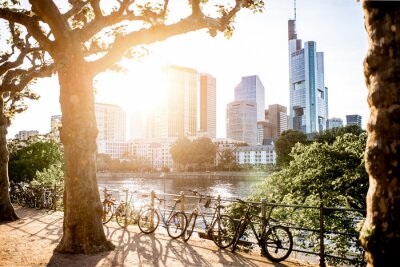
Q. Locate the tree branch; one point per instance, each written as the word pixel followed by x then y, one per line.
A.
pixel 50 14
pixel 77 6
pixel 102 22
pixel 31 23
pixel 154 34
pixel 95 4
pixel 24 76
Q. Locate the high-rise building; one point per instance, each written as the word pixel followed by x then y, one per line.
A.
pixel 354 120
pixel 251 89
pixel 139 122
pixel 334 123
pixel 277 117
pixel 308 94
pixel 111 122
pixel 177 115
pixel 241 121
pixel 208 105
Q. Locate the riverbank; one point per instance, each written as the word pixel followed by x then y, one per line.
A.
pixel 31 241
pixel 233 176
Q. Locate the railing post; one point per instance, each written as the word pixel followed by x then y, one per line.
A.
pixel 182 197
pixel 152 198
pixel 55 197
pixel 182 208
pixel 218 204
pixel 126 208
pixel 263 208
pixel 321 237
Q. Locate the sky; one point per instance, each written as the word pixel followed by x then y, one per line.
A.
pixel 258 47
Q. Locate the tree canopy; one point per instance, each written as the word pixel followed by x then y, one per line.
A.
pixel 200 152
pixel 334 172
pixel 32 156
pixel 330 135
pixel 284 144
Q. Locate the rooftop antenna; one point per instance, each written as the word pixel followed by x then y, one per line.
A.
pixel 294 9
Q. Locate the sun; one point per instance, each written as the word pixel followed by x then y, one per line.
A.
pixel 140 88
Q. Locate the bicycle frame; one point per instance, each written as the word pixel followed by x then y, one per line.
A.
pixel 246 220
pixel 198 211
pixel 165 219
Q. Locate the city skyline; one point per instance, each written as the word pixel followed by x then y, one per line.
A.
pixel 258 47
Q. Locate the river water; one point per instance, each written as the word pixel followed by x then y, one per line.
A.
pixel 228 189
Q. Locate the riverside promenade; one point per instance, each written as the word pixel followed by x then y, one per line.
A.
pixel 31 241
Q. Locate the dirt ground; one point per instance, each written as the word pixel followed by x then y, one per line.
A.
pixel 31 241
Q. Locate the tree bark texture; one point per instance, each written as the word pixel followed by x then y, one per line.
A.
pixel 7 212
pixel 82 229
pixel 380 235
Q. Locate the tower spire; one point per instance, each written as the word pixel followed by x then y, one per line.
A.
pixel 294 9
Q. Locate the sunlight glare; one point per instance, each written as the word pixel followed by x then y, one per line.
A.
pixel 139 89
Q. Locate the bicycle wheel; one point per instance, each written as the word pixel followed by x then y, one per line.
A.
pixel 108 212
pixel 48 202
pixel 39 202
pixel 22 201
pixel 120 215
pixel 177 224
pixel 223 231
pixel 148 220
pixel 278 243
pixel 190 227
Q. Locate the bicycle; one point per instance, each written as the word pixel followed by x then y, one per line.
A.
pixel 109 206
pixel 275 241
pixel 149 219
pixel 221 227
pixel 44 198
pixel 126 213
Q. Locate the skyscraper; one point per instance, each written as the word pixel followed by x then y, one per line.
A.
pixel 276 115
pixel 251 89
pixel 353 120
pixel 111 122
pixel 308 94
pixel 208 105
pixel 177 115
pixel 241 121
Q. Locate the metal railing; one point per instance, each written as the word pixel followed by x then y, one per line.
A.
pixel 322 232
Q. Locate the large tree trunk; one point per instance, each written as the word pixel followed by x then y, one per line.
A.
pixel 380 235
pixel 82 229
pixel 7 212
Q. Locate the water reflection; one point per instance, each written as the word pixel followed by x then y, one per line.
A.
pixel 224 188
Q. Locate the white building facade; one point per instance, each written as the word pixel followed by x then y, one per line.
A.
pixel 24 135
pixel 156 152
pixel 256 155
pixel 111 124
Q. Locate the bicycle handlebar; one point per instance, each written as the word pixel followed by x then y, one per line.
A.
pixel 194 192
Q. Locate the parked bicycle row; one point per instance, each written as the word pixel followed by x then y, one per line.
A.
pixel 275 241
pixel 40 197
